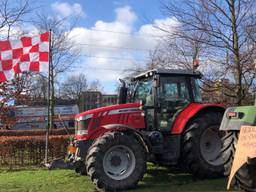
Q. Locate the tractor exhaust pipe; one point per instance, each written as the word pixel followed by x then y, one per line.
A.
pixel 123 92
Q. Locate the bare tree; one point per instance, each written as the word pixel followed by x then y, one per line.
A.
pixel 74 86
pixel 177 53
pixel 38 89
pixel 15 89
pixel 12 14
pixel 96 86
pixel 63 50
pixel 227 27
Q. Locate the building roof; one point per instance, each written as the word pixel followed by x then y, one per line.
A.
pixel 91 92
pixel 109 95
pixel 171 72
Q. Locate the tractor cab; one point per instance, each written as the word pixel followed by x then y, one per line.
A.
pixel 163 93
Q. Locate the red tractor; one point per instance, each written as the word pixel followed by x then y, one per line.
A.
pixel 164 121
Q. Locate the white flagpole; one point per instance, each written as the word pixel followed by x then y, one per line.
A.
pixel 48 99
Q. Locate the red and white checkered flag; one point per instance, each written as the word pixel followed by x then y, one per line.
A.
pixel 24 54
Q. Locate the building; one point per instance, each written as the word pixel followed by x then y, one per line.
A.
pixel 90 100
pixel 94 99
pixel 109 100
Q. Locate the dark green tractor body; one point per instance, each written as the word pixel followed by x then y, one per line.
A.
pixel 245 115
pixel 233 119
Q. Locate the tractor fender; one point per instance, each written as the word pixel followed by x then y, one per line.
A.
pixel 131 131
pixel 192 111
pixel 246 116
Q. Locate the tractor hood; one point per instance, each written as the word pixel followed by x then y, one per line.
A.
pixel 235 117
pixel 92 123
pixel 120 108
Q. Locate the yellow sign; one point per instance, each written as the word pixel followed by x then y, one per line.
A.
pixel 245 148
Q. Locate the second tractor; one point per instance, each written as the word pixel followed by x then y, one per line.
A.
pixel 234 118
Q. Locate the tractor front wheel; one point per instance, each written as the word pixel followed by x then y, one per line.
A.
pixel 116 161
pixel 245 177
pixel 201 146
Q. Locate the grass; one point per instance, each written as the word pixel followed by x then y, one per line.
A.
pixel 157 179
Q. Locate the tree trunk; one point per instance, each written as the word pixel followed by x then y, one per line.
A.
pixel 238 70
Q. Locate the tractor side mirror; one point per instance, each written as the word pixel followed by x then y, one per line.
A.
pixel 123 92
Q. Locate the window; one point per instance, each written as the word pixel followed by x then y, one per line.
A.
pixel 143 89
pixel 196 90
pixel 173 96
pixel 173 89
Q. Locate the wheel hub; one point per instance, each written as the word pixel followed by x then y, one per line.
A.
pixel 210 146
pixel 115 161
pixel 119 162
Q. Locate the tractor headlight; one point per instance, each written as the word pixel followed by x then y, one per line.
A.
pixel 235 115
pixel 232 114
pixel 82 124
pixel 85 117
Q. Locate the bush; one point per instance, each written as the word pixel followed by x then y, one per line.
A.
pixel 24 148
pixel 36 132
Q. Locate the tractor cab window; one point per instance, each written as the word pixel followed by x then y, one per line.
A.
pixel 173 89
pixel 173 96
pixel 143 91
pixel 196 90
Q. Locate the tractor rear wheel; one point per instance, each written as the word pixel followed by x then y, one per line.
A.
pixel 245 177
pixel 201 146
pixel 116 161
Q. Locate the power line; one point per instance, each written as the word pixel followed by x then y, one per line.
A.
pixel 115 58
pixel 110 69
pixel 114 47
pixel 129 34
pixel 105 69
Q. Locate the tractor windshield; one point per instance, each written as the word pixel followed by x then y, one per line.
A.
pixel 143 90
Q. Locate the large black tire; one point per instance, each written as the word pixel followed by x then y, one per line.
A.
pixel 97 167
pixel 81 170
pixel 197 143
pixel 245 177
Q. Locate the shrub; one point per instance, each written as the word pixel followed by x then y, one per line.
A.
pixel 36 132
pixel 30 150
